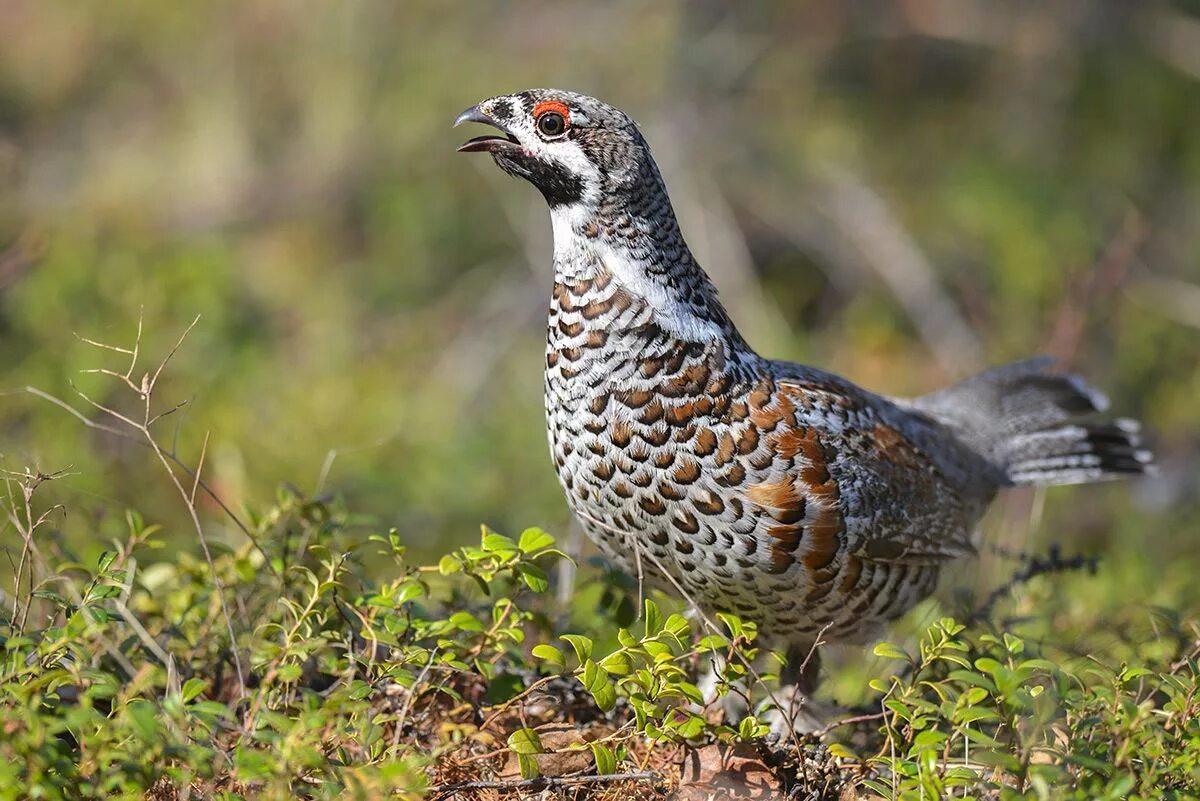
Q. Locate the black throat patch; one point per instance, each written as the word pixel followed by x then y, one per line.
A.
pixel 557 185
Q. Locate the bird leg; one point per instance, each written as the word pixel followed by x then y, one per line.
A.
pixel 795 709
pixel 791 707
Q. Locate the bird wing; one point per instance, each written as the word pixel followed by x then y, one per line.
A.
pixel 849 479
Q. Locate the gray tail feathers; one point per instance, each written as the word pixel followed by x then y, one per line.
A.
pixel 1039 426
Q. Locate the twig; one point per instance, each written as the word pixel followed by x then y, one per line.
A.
pixel 145 391
pixel 131 619
pixel 641 577
pixel 817 643
pixel 847 721
pixel 402 715
pixel 545 782
pixel 125 435
pixel 537 685
pixel 29 482
pixel 326 467
pixel 199 469
pixel 73 593
pixel 1053 563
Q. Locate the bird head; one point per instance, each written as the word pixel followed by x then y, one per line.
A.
pixel 608 205
pixel 572 147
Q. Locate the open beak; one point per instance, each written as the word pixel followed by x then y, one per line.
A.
pixel 484 144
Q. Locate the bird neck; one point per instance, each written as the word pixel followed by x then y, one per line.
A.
pixel 631 236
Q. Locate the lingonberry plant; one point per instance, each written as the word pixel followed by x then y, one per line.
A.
pixel 316 658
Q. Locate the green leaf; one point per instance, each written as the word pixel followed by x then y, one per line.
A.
pixel 973 696
pixel 978 737
pixel 252 764
pixel 76 625
pixel 899 708
pixel 595 680
pixel 192 688
pixel 988 665
pixel 733 624
pixel 1129 674
pixel 690 692
pixel 882 789
pixel 550 655
pixel 931 738
pixel 581 644
pixel 212 708
pixel 144 717
pixel 1033 665
pixel 52 596
pixel 106 559
pixel 606 761
pixel 465 621
pixel 498 543
pixel 408 591
pixel 534 539
pixel 842 752
pixel 748 728
pixel 525 741
pixel 653 618
pixel 972 678
pixel 989 756
pixel 678 625
pixel 659 651
pixel 889 651
pixel 971 714
pixel 1120 786
pixel 689 727
pixel 617 663
pixel 534 577
pixel 961 661
pixel 449 564
pixel 289 673
pixel 528 766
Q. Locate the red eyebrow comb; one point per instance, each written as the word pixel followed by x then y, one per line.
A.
pixel 552 105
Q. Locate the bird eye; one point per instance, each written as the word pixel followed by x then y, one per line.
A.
pixel 551 124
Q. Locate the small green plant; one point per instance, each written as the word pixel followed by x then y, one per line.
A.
pixel 977 712
pixel 352 683
pixel 307 655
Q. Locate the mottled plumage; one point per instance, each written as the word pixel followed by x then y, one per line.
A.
pixel 776 491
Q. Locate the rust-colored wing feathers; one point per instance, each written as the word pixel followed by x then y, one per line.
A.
pixel 827 498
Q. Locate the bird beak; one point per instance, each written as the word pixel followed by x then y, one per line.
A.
pixel 485 144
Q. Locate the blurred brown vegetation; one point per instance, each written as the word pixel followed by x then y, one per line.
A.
pixel 900 192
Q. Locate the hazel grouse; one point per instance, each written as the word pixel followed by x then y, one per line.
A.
pixel 773 490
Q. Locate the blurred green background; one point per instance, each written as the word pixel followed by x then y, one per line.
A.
pixel 902 192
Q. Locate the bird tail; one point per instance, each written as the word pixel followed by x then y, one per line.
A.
pixel 1039 426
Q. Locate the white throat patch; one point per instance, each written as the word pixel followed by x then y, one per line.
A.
pixel 574 252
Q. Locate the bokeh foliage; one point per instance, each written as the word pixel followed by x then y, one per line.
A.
pixel 286 171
